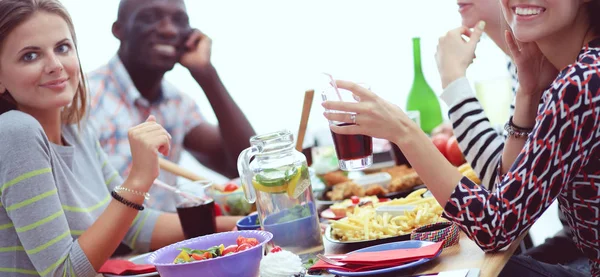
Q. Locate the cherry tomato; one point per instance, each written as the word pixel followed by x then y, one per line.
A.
pixel 230 187
pixel 218 210
pixel 197 257
pixel 355 199
pixel 230 249
pixel 252 241
pixel 243 247
pixel 276 249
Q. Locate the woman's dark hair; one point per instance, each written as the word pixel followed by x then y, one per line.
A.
pixel 12 14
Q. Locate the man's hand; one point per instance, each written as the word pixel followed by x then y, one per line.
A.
pixel 199 48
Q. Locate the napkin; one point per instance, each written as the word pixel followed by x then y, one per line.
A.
pixel 123 267
pixel 321 265
pixel 363 261
pixel 393 256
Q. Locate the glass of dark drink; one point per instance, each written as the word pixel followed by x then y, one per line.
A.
pixel 196 212
pixel 198 219
pixel 354 152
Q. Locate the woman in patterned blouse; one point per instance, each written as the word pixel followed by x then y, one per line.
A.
pixel 550 154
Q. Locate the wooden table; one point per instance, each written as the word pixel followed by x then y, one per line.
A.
pixel 466 254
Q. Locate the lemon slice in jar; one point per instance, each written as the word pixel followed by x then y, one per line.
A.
pixel 297 185
pixel 270 181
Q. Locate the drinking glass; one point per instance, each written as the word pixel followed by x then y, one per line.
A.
pixel 197 218
pixel 495 96
pixel 354 152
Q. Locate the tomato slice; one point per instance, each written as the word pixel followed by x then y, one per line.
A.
pixel 230 249
pixel 243 247
pixel 240 240
pixel 230 187
pixel 252 241
pixel 198 257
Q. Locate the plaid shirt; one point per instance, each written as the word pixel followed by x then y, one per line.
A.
pixel 117 105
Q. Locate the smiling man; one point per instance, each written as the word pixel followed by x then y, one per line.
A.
pixel 155 35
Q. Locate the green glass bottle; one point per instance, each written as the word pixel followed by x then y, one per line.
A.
pixel 421 97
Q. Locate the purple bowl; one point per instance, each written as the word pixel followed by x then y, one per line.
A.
pixel 244 263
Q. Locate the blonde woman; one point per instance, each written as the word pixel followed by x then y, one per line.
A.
pixel 64 209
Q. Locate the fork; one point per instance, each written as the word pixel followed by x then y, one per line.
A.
pixel 330 261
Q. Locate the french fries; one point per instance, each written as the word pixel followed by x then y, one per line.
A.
pixel 365 224
pixel 467 171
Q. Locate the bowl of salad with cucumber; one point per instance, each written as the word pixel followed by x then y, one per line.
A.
pixel 230 197
pixel 236 253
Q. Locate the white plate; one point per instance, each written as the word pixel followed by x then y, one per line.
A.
pixel 329 237
pixel 140 259
pixel 382 178
pixel 394 210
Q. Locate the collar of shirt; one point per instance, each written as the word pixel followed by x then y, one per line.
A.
pixel 132 94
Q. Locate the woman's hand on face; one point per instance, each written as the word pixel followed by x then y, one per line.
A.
pixel 374 116
pixel 146 141
pixel 535 72
pixel 455 54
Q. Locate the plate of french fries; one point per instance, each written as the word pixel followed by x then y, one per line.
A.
pixel 371 224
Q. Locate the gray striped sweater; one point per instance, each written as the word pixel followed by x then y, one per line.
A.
pixel 50 194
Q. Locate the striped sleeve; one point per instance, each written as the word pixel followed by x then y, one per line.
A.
pixel 34 217
pixel 140 234
pixel 479 141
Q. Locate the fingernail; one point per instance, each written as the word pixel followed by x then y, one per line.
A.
pixel 170 137
pixel 481 25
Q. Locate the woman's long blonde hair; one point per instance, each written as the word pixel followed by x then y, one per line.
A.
pixel 15 12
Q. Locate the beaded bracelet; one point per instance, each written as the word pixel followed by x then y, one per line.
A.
pixel 516 131
pixel 134 192
pixel 126 202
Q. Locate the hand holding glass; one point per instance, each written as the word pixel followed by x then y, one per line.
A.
pixel 354 152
